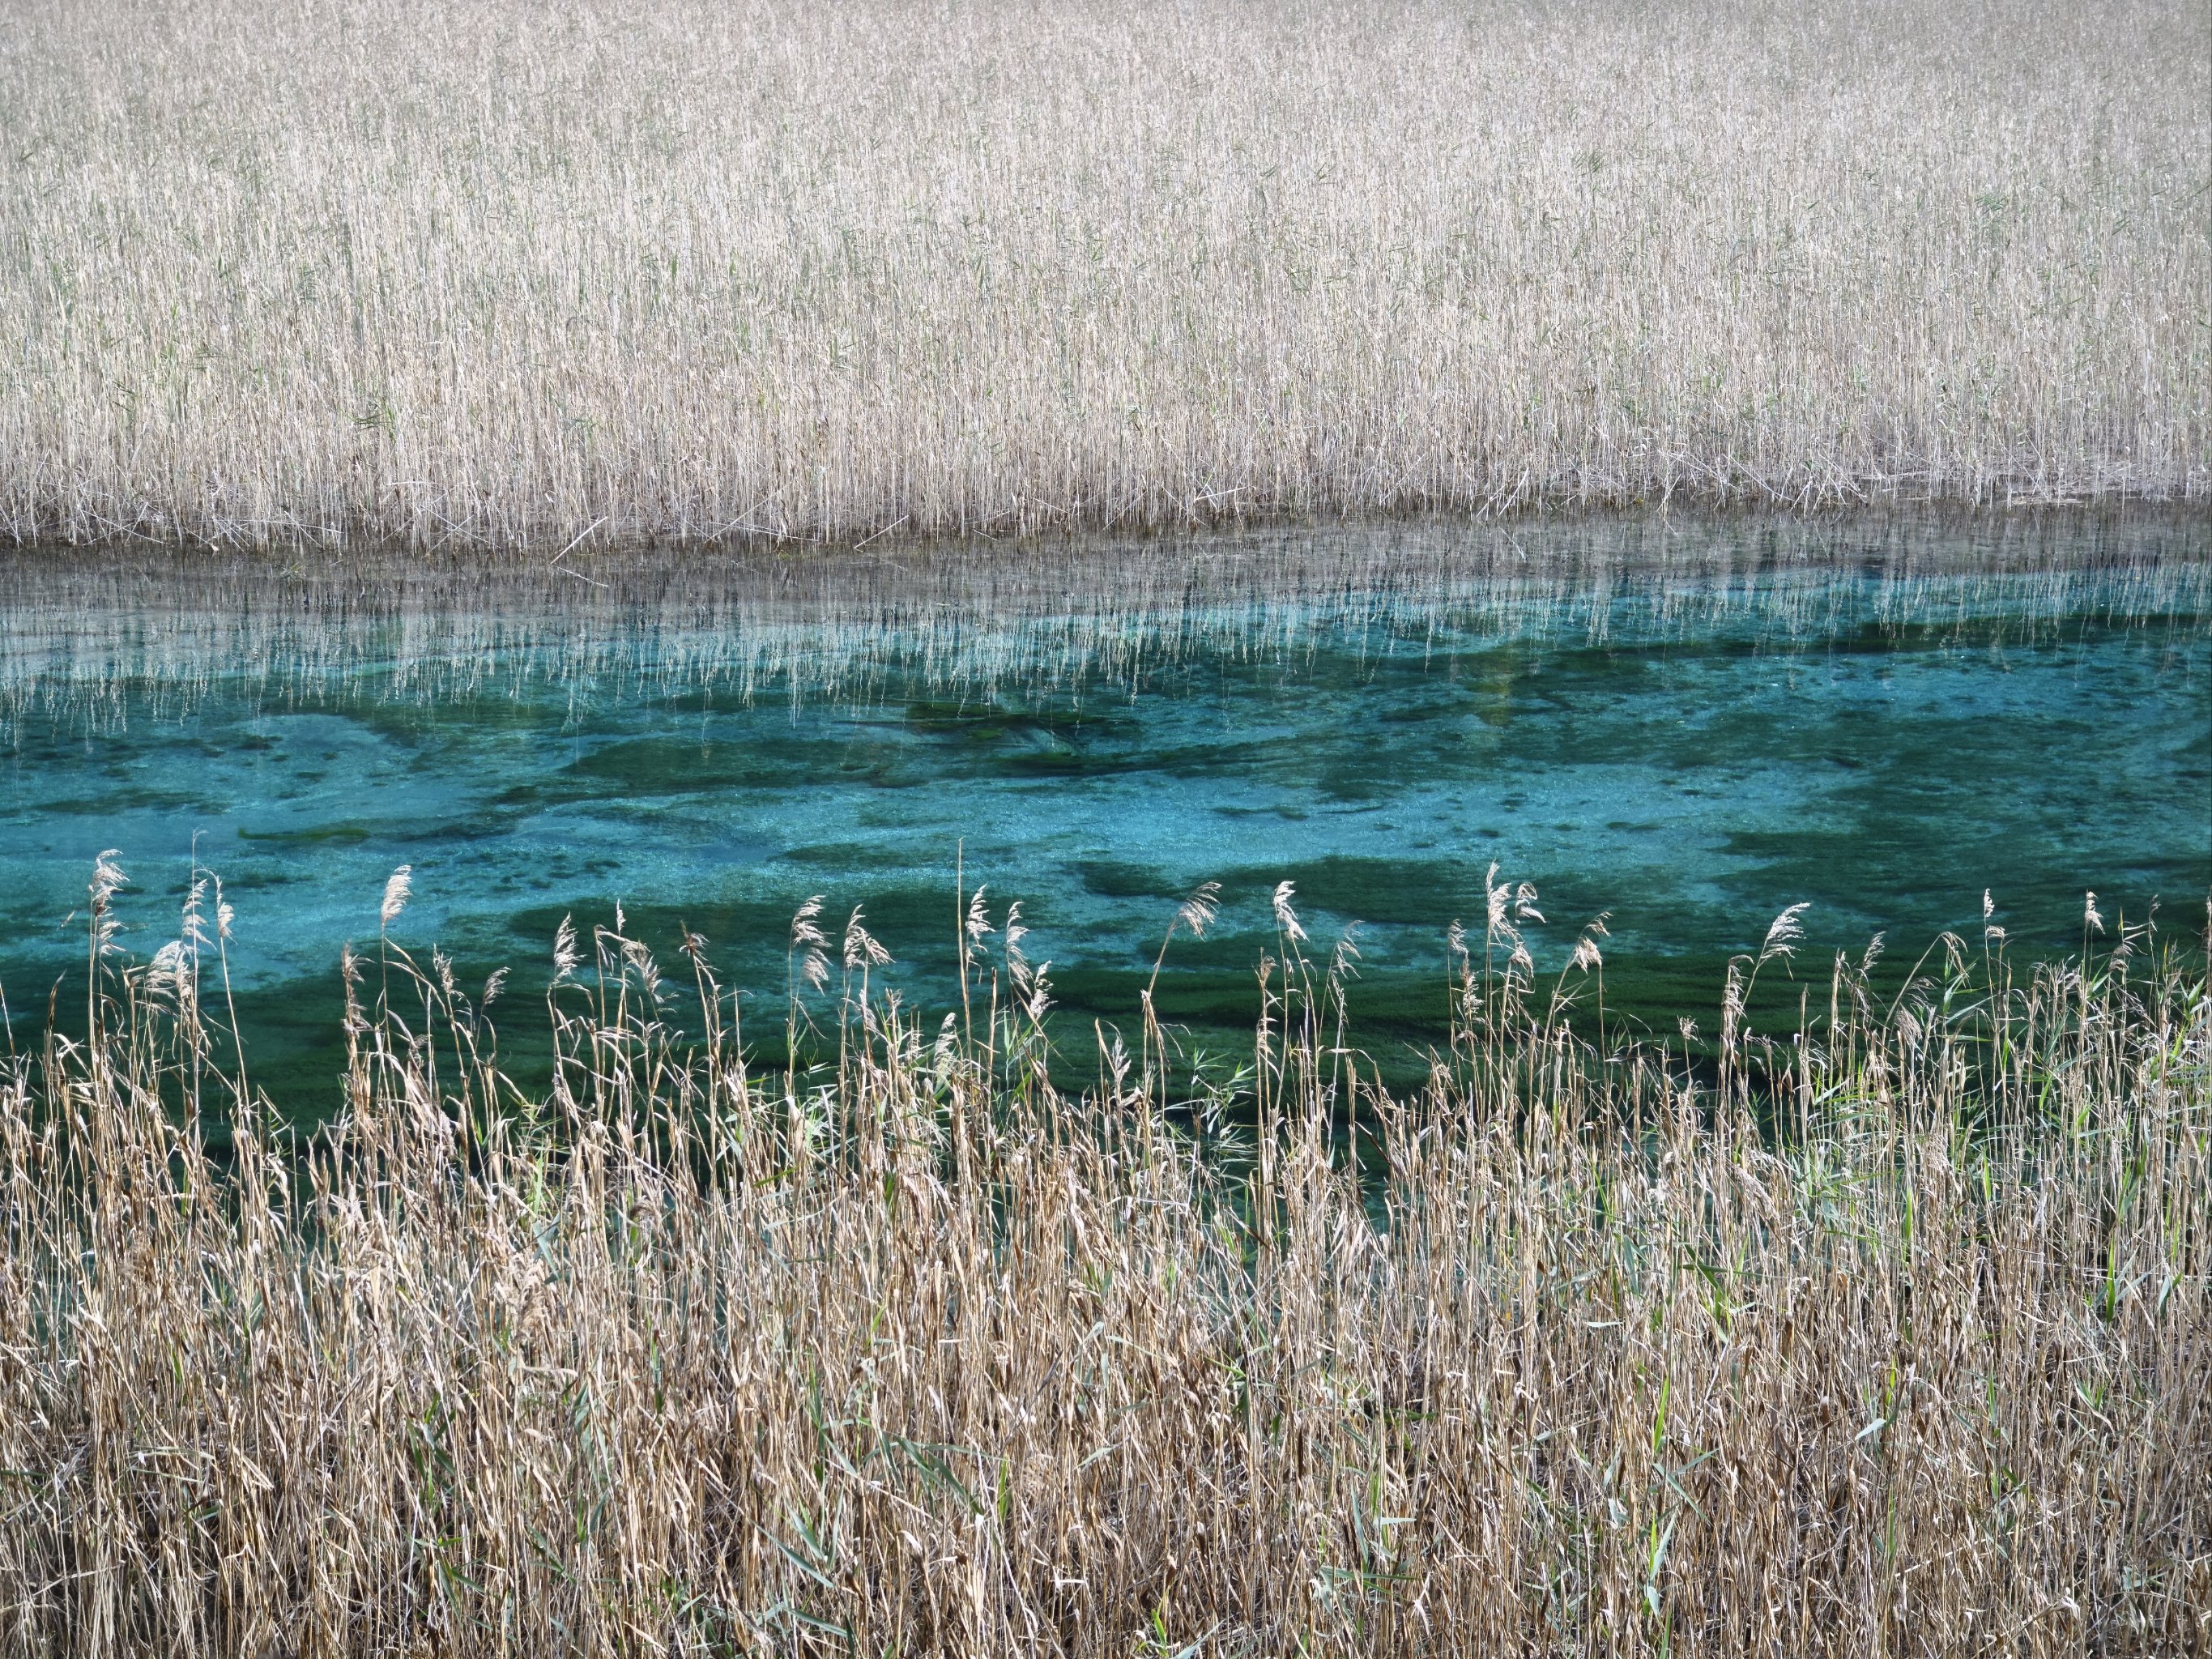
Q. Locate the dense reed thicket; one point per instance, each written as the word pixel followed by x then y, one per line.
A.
pixel 1894 1337
pixel 486 276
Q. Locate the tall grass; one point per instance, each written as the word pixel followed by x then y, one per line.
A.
pixel 1893 1337
pixel 492 275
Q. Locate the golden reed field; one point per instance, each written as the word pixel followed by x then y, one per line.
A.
pixel 1868 1311
pixel 1886 1336
pixel 488 275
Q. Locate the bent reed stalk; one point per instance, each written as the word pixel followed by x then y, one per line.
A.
pixel 1891 1337
pixel 494 276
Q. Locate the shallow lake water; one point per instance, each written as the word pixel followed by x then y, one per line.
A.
pixel 1686 728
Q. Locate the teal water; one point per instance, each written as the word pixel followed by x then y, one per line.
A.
pixel 1686 731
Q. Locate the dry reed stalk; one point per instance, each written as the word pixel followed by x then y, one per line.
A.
pixel 1895 1338
pixel 489 276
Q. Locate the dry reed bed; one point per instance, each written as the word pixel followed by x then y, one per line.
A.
pixel 904 1353
pixel 491 276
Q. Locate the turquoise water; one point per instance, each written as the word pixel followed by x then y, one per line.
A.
pixel 1688 735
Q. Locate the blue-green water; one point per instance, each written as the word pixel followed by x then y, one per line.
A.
pixel 1688 736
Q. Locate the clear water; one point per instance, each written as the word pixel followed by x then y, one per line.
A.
pixel 1689 741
